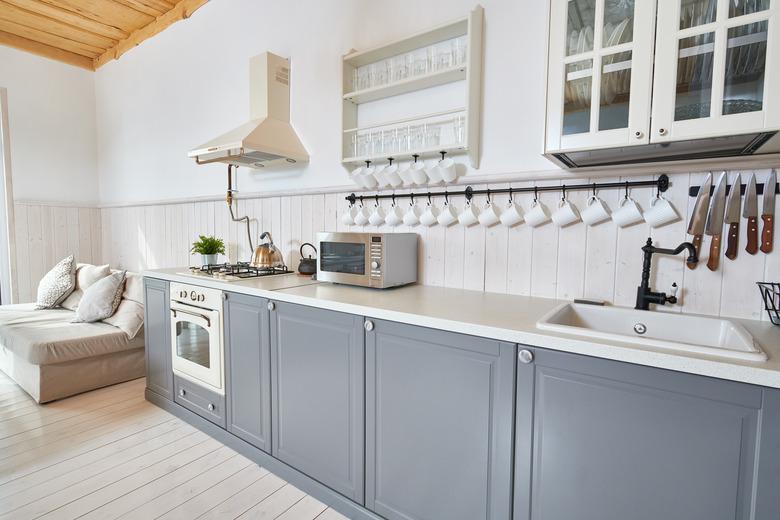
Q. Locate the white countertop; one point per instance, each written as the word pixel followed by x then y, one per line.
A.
pixel 497 316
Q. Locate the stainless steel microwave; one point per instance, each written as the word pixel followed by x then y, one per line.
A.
pixel 367 259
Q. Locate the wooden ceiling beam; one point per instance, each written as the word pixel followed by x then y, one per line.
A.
pixel 181 11
pixel 106 12
pixel 47 51
pixel 44 24
pixel 71 18
pixel 150 7
pixel 49 39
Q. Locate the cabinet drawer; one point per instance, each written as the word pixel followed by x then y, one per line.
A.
pixel 209 405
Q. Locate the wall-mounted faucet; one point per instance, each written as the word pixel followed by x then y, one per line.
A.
pixel 644 295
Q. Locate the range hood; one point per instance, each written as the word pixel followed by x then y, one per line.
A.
pixel 733 146
pixel 268 139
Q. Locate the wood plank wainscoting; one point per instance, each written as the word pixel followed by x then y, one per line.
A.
pixel 601 262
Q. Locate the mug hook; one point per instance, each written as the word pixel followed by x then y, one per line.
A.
pixel 376 200
pixel 536 194
pixel 488 195
pixel 563 192
pixel 442 155
pixel 626 190
pixel 594 189
pixel 393 198
pixel 446 197
pixel 510 195
pixel 368 164
pixel 429 199
pixel 416 156
pixel 411 199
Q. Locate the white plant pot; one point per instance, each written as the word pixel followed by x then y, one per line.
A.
pixel 208 259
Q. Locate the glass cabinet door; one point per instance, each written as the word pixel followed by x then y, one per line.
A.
pixel 715 63
pixel 599 73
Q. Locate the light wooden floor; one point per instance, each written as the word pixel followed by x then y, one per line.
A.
pixel 111 454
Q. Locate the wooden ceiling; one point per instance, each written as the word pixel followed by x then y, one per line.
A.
pixel 87 33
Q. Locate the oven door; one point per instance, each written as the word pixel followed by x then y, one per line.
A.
pixel 196 343
pixel 344 258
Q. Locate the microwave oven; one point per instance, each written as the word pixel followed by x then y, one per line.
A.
pixel 377 260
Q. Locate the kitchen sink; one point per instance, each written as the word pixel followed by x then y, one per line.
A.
pixel 678 332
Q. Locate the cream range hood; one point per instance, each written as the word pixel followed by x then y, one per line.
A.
pixel 268 139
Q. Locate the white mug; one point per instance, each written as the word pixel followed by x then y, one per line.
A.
pixel 433 173
pixel 379 175
pixel 447 170
pixel 628 213
pixel 469 216
pixel 538 214
pixel 367 177
pixel 405 172
pixel 595 212
pixel 357 176
pixel 489 216
pixel 430 215
pixel 512 214
pixel 394 216
pixel 362 216
pixel 660 212
pixel 391 176
pixel 418 174
pixel 412 215
pixel 348 217
pixel 566 214
pixel 377 217
pixel 448 215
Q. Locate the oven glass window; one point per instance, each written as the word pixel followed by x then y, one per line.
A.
pixel 192 343
pixel 341 257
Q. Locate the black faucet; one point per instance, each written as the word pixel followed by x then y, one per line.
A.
pixel 644 295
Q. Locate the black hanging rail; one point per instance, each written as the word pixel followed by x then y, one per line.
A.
pixel 662 184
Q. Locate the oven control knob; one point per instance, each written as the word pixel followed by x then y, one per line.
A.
pixel 374 265
pixel 271 306
pixel 182 392
pixel 193 296
pixel 210 407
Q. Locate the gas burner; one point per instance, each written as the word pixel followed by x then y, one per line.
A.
pixel 241 270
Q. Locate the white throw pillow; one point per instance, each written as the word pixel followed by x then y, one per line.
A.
pixel 86 275
pixel 129 317
pixel 101 299
pixel 57 284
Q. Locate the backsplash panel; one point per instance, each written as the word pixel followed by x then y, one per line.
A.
pixel 600 262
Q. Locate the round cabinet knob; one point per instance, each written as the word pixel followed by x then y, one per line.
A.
pixel 374 265
pixel 662 131
pixel 639 134
pixel 210 407
pixel 368 325
pixel 271 306
pixel 182 392
pixel 526 356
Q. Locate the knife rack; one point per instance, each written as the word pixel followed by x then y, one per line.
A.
pixel 662 184
pixel 693 191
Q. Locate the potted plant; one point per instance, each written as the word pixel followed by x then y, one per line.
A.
pixel 208 248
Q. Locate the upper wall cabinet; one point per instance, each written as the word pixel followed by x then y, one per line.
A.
pixel 599 73
pixel 623 73
pixel 717 61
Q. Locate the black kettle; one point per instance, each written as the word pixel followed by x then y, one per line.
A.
pixel 308 265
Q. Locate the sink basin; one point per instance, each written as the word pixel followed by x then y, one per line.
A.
pixel 679 332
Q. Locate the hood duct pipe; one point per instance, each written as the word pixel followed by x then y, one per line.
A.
pixel 229 201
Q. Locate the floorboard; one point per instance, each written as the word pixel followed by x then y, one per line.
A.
pixel 109 454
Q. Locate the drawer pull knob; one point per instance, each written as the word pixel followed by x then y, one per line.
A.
pixel 526 356
pixel 368 325
pixel 211 407
pixel 182 392
pixel 271 306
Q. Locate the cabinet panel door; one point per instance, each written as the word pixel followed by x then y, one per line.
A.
pixel 716 67
pixel 157 336
pixel 438 424
pixel 613 441
pixel 317 360
pixel 600 65
pixel 248 364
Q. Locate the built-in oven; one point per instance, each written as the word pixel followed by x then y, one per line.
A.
pixel 196 335
pixel 367 259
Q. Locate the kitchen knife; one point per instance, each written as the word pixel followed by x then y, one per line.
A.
pixel 732 218
pixel 750 212
pixel 714 226
pixel 698 216
pixel 768 213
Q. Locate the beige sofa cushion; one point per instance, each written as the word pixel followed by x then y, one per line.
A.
pixel 44 337
pixel 101 300
pixel 129 317
pixel 86 275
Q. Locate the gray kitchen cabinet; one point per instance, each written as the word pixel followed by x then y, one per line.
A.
pixel 604 440
pixel 157 336
pixel 439 410
pixel 248 369
pixel 317 368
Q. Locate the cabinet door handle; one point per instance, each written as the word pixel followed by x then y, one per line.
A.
pixel 182 392
pixel 210 407
pixel 368 325
pixel 271 306
pixel 526 356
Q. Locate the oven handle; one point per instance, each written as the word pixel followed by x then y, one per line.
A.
pixel 197 315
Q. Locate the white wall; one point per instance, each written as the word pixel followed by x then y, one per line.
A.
pixel 190 83
pixel 52 128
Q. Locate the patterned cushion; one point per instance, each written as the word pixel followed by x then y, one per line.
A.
pixel 57 284
pixel 101 299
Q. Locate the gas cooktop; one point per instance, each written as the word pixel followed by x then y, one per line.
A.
pixel 234 272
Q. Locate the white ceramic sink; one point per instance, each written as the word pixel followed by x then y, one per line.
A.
pixel 680 332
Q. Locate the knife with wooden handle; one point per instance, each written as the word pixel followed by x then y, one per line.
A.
pixel 714 226
pixel 768 213
pixel 750 212
pixel 698 216
pixel 732 218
